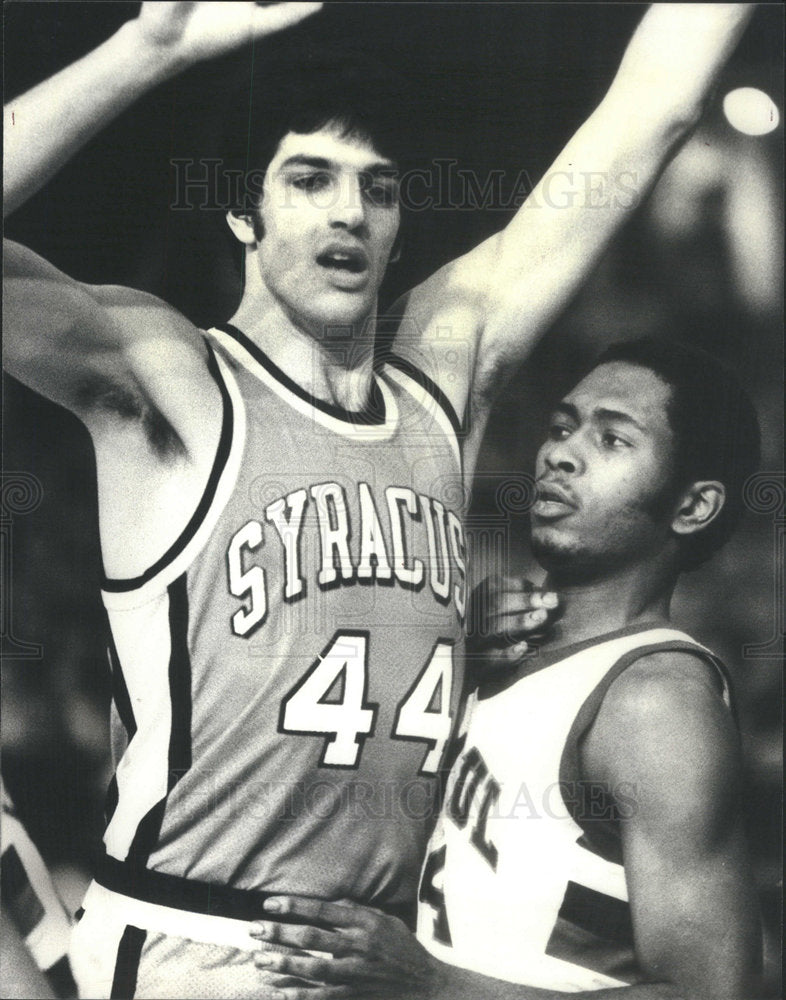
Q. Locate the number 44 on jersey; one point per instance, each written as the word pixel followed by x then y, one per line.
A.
pixel 331 700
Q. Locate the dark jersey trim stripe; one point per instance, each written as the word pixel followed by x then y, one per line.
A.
pixel 61 979
pixel 20 899
pixel 546 657
pixel 129 952
pixel 598 913
pixel 429 385
pixel 111 799
pixel 372 413
pixel 179 753
pixel 595 931
pixel 208 898
pixel 600 827
pixel 222 454
pixel 179 682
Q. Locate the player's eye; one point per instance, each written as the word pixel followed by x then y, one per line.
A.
pixel 558 432
pixel 381 191
pixel 612 440
pixel 311 182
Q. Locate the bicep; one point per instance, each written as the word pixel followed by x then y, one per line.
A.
pixel 98 349
pixel 57 335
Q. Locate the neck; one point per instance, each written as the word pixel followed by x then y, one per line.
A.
pixel 336 369
pixel 593 607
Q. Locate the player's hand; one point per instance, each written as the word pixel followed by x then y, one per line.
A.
pixel 189 32
pixel 509 617
pixel 369 954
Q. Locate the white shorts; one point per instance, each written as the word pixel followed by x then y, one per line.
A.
pixel 125 947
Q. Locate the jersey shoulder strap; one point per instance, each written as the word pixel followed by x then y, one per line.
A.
pixel 599 821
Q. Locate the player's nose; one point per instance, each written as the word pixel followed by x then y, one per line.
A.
pixel 347 208
pixel 564 455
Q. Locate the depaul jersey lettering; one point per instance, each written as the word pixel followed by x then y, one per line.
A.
pixel 524 877
pixel 286 678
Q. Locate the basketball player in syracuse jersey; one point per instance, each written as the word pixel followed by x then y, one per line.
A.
pixel 590 841
pixel 261 471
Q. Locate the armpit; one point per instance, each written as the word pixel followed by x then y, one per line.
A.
pixel 102 394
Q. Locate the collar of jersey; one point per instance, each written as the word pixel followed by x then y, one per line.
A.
pixel 373 413
pixel 533 663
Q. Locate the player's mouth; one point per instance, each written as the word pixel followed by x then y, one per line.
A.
pixel 347 266
pixel 553 501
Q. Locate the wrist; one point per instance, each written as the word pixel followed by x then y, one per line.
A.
pixel 151 62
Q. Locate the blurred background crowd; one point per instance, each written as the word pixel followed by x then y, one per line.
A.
pixel 503 87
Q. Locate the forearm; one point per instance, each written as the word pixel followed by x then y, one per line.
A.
pixel 460 984
pixel 46 126
pixel 673 61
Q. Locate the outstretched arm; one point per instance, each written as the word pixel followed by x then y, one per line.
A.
pixel 77 343
pixel 513 286
pixel 47 125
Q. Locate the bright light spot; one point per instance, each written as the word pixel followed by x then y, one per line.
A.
pixel 750 111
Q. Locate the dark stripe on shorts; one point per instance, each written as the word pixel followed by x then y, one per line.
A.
pixel 129 952
pixel 208 495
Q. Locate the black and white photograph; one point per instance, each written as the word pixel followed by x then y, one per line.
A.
pixel 393 500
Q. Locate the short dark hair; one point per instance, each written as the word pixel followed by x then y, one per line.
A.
pixel 715 427
pixel 303 89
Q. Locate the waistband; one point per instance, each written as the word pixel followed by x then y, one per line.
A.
pixel 116 910
pixel 205 898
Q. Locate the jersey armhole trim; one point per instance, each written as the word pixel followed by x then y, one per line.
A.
pixel 601 836
pixel 430 386
pixel 123 585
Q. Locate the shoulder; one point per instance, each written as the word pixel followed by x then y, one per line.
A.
pixel 665 726
pixel 146 315
pixel 664 682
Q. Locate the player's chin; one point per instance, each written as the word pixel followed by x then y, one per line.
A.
pixel 340 307
pixel 554 546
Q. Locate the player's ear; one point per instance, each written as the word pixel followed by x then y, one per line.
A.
pixel 246 226
pixel 698 506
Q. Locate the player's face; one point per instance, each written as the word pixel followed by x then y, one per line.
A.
pixel 330 215
pixel 604 473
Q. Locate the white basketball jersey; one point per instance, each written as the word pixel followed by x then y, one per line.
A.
pixel 524 877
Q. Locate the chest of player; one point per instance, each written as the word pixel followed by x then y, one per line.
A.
pixel 348 520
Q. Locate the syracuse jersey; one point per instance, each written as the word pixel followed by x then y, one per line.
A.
pixel 286 677
pixel 524 878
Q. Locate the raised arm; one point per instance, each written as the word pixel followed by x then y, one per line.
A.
pixel 47 125
pixel 510 288
pixel 94 349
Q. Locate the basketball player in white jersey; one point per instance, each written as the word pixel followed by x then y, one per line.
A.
pixel 284 563
pixel 591 840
